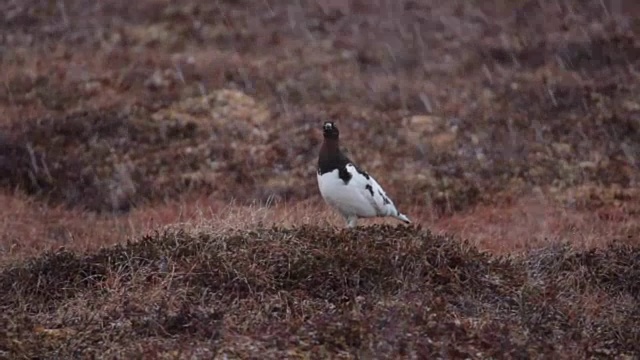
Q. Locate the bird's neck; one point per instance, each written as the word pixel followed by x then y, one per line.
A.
pixel 330 149
pixel 330 155
pixel 331 145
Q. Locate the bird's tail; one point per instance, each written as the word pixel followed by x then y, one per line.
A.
pixel 402 217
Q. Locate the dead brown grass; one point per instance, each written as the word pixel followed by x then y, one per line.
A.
pixel 527 223
pixel 28 228
pixel 219 281
pixel 381 290
pixel 537 221
pixel 477 101
pixel 148 147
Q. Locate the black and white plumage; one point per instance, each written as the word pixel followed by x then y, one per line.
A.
pixel 347 188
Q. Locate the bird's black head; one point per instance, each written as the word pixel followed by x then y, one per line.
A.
pixel 330 131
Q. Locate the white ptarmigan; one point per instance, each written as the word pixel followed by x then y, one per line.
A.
pixel 347 188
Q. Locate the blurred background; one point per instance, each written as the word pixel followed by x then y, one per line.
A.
pixel 118 105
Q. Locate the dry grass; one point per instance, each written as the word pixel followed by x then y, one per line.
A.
pixel 218 281
pixel 381 290
pixel 532 222
pixel 148 148
pixel 28 228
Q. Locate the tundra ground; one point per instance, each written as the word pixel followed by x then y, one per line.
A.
pixel 158 194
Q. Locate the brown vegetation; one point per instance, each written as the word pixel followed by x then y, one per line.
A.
pixel 148 147
pixel 378 291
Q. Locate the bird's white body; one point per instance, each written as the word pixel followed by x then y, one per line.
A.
pixel 360 197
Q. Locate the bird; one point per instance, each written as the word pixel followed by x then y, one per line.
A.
pixel 346 187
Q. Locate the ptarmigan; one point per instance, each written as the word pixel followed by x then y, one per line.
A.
pixel 347 188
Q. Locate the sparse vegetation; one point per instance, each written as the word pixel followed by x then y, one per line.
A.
pixel 158 195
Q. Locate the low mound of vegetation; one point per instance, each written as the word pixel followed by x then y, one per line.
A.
pixel 377 291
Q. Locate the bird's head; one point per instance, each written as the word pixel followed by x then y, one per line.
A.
pixel 330 131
